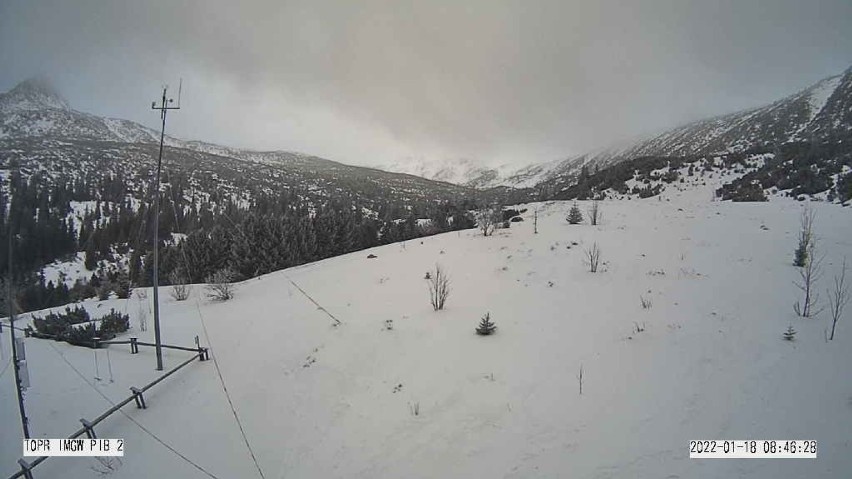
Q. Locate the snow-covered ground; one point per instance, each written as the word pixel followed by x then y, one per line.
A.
pixel 319 400
pixel 67 271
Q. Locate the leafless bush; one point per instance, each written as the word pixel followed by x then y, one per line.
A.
pixel 593 257
pixel 180 290
pixel 806 237
pixel 595 213
pixel 646 302
pixel 487 219
pixel 838 298
pixel 580 379
pixel 809 274
pixel 439 288
pixel 220 285
pixel 144 309
pixel 414 408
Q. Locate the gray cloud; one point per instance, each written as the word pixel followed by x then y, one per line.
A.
pixel 370 81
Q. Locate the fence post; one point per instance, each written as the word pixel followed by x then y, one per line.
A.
pixel 134 348
pixel 26 468
pixel 90 431
pixel 139 398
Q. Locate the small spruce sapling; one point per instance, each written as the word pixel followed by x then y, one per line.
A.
pixel 486 326
pixel 535 221
pixel 790 334
pixel 575 216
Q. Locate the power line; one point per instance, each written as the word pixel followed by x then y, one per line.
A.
pixel 225 388
pixel 6 368
pixel 134 421
pixel 207 335
pixel 321 308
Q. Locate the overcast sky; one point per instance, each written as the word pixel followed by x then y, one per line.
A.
pixel 367 82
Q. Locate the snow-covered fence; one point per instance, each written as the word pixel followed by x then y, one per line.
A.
pixel 135 343
pixel 89 426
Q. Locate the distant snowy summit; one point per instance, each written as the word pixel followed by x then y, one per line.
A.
pixel 467 172
pixel 33 94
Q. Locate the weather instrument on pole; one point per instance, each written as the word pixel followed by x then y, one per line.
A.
pixel 164 107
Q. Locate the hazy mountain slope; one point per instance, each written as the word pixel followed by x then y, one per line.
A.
pixel 33 110
pixel 819 112
pixel 470 173
pixel 38 126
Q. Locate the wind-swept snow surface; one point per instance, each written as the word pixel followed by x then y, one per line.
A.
pixel 430 398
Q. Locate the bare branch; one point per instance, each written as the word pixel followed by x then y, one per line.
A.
pixel 838 299
pixel 593 257
pixel 810 274
pixel 439 288
pixel 595 213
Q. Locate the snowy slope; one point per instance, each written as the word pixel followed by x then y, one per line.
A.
pixel 819 111
pixel 319 400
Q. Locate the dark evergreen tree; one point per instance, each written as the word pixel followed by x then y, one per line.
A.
pixel 486 326
pixel 575 216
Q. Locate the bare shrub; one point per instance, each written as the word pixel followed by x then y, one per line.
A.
pixel 809 275
pixel 180 290
pixel 800 257
pixel 838 299
pixel 144 309
pixel 646 302
pixel 580 379
pixel 593 258
pixel 595 213
pixel 487 219
pixel 220 285
pixel 439 288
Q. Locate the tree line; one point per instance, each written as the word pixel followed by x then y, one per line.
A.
pixel 198 233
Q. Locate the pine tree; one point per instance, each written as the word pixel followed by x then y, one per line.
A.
pixel 486 326
pixel 790 334
pixel 574 215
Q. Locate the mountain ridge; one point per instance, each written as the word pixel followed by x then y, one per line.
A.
pixel 819 111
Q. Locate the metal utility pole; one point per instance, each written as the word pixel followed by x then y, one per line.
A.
pixel 163 107
pixel 17 367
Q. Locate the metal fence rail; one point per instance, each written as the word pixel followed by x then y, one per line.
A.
pixel 88 428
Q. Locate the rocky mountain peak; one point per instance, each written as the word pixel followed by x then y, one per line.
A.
pixel 33 94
